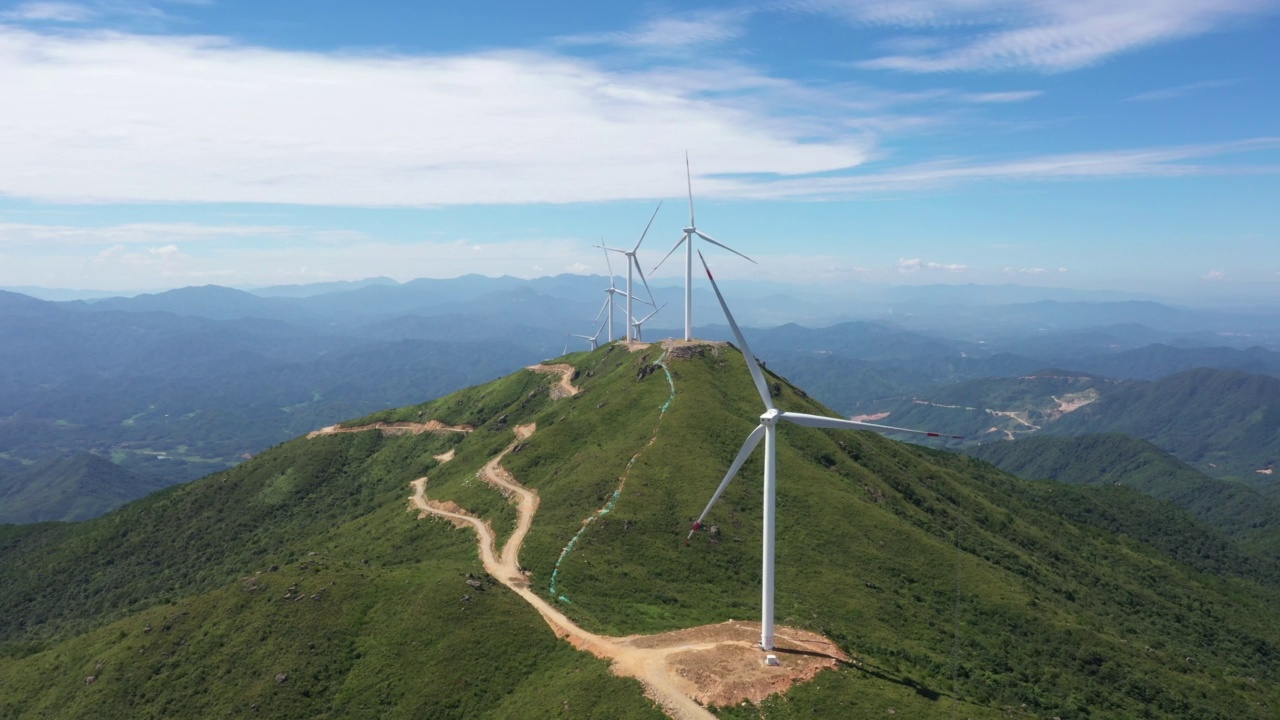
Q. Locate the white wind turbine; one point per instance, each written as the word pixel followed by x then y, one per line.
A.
pixel 687 239
pixel 593 339
pixel 767 430
pixel 638 323
pixel 610 293
pixel 634 264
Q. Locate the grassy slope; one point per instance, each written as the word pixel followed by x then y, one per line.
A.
pixel 959 593
pixel 388 634
pixel 1236 509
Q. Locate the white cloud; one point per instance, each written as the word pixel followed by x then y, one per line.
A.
pixel 164 251
pixel 1215 275
pixel 1178 91
pixel 1002 97
pixel 110 117
pixel 45 237
pixel 673 32
pixel 912 265
pixel 1146 162
pixel 48 12
pixel 1040 35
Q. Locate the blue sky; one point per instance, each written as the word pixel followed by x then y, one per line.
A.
pixel 1094 144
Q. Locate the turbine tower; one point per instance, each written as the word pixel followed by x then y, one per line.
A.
pixel 638 323
pixel 593 339
pixel 767 431
pixel 634 265
pixel 687 239
pixel 610 293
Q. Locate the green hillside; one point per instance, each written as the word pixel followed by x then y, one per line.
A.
pixel 1225 423
pixel 960 592
pixel 1234 508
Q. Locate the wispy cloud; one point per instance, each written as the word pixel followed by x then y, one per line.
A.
pixel 45 237
pixel 1177 161
pixel 62 12
pixel 1002 97
pixel 1179 91
pixel 1215 275
pixel 1039 35
pixel 671 32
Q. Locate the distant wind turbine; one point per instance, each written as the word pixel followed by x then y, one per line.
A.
pixel 610 293
pixel 687 239
pixel 768 431
pixel 638 323
pixel 593 339
pixel 634 264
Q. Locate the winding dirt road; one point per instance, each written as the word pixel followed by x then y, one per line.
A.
pixel 565 388
pixel 712 664
pixel 400 428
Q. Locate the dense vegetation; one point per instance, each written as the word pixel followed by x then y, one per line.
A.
pixel 959 588
pixel 1238 510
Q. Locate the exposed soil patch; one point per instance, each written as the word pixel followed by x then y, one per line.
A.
pixel 565 388
pixel 400 428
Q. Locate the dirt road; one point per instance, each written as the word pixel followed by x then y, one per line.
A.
pixel 565 388
pixel 400 428
pixel 712 664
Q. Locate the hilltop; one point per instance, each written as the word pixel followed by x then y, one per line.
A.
pixel 300 583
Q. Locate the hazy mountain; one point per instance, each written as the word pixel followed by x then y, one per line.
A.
pixel 1226 423
pixel 74 488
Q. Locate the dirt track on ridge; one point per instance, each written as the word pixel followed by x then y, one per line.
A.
pixel 400 428
pixel 714 664
pixel 565 388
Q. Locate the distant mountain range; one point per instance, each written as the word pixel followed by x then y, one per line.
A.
pixel 173 385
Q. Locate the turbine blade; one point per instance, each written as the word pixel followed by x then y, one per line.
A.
pixel 688 177
pixel 606 261
pixel 646 317
pixel 623 293
pixel 599 330
pixel 752 441
pixel 713 241
pixel 646 227
pixel 752 365
pixel 652 302
pixel 842 424
pixel 605 306
pixel 673 249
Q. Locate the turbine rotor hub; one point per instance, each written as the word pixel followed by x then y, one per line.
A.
pixel 770 416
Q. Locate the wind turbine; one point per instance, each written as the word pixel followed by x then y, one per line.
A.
pixel 593 339
pixel 767 430
pixel 636 324
pixel 610 292
pixel 634 264
pixel 687 239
